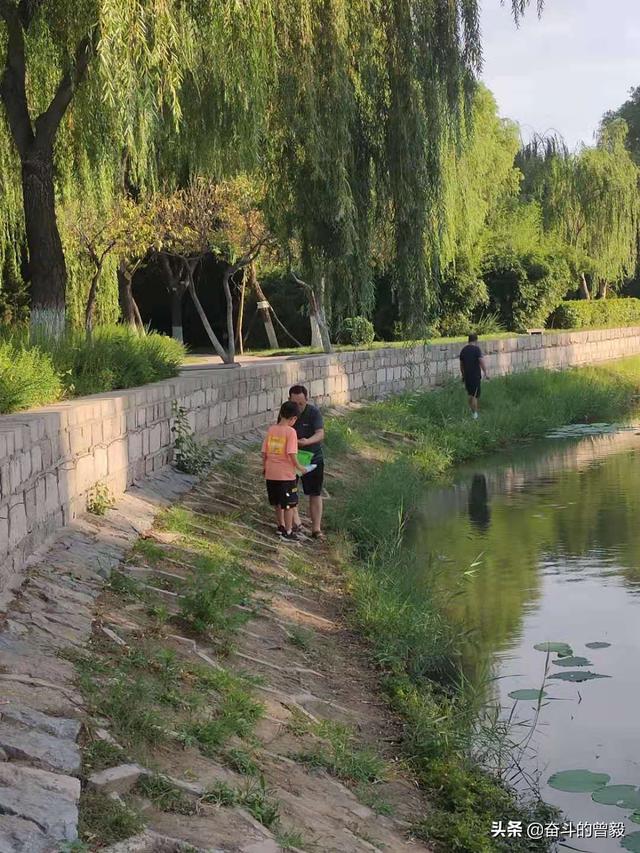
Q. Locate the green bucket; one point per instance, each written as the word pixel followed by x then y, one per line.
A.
pixel 305 457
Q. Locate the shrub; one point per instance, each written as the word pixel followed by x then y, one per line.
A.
pixel 593 313
pixel 524 288
pixel 357 331
pixel 117 357
pixel 27 378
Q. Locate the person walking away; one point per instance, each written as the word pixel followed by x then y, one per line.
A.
pixel 280 467
pixel 472 368
pixel 310 430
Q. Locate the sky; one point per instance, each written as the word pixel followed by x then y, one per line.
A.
pixel 563 71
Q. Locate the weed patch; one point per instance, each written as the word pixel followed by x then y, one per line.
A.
pixel 104 821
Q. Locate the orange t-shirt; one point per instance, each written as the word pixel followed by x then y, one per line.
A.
pixel 279 442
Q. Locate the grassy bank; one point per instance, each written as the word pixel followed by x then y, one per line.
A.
pixel 35 372
pixel 385 454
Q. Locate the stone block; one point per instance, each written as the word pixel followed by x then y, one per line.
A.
pixel 51 490
pixel 17 522
pixel 118 780
pixel 39 748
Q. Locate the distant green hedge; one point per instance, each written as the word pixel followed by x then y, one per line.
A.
pixel 596 313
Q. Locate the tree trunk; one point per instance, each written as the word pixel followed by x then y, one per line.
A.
pixel 316 338
pixel 321 318
pixel 602 289
pixel 128 307
pixel 91 301
pixel 239 341
pixel 205 322
pixel 176 314
pixel 263 308
pixel 47 269
pixel 584 287
pixel 231 345
pixel 35 142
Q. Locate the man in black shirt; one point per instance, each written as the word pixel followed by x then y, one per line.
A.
pixel 310 430
pixel 472 368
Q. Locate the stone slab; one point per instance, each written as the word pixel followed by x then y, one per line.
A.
pixel 48 800
pixel 39 748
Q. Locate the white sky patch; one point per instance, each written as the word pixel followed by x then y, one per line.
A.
pixel 564 71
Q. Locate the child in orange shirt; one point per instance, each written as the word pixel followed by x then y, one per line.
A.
pixel 280 466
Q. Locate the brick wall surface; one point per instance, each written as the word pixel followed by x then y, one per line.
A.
pixel 50 458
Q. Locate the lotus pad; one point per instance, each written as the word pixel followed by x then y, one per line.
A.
pixel 562 649
pixel 631 842
pixel 598 645
pixel 624 796
pixel 572 661
pixel 527 694
pixel 577 675
pixel 578 781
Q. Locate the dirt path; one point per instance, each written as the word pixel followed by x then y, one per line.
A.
pixel 298 752
pixel 218 698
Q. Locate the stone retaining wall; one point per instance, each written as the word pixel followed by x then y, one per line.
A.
pixel 51 458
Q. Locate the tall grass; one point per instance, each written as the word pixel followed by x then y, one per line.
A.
pixel 388 452
pixel 37 367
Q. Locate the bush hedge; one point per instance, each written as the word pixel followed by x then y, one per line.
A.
pixel 115 357
pixel 596 313
pixel 27 378
pixel 356 331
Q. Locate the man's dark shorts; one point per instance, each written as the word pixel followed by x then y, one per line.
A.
pixel 283 493
pixel 473 387
pixel 312 482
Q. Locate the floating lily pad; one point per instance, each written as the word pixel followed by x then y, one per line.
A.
pixel 598 645
pixel 578 781
pixel 624 796
pixel 577 675
pixel 562 649
pixel 572 661
pixel 635 817
pixel 631 842
pixel 527 694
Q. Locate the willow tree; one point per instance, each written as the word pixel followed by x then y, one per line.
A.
pixel 590 201
pixel 134 60
pixel 371 95
pixel 480 177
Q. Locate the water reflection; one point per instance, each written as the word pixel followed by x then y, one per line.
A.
pixel 543 544
pixel 479 512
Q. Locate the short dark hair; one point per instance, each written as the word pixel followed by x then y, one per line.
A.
pixel 299 389
pixel 287 410
pixel 473 338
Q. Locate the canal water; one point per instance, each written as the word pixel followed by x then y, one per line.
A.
pixel 542 545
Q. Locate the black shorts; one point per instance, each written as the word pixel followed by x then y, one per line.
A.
pixel 312 482
pixel 473 386
pixel 282 493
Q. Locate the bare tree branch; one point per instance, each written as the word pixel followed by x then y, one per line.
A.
pixel 48 122
pixel 13 84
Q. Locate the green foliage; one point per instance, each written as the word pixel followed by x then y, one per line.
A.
pixel 116 357
pixel 100 499
pixel 357 331
pixel 210 594
pixel 41 370
pixel 106 821
pixel 596 313
pixel 630 113
pixel 27 378
pixel 590 202
pixel 165 795
pixel 190 457
pixel 525 289
pixel 341 757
